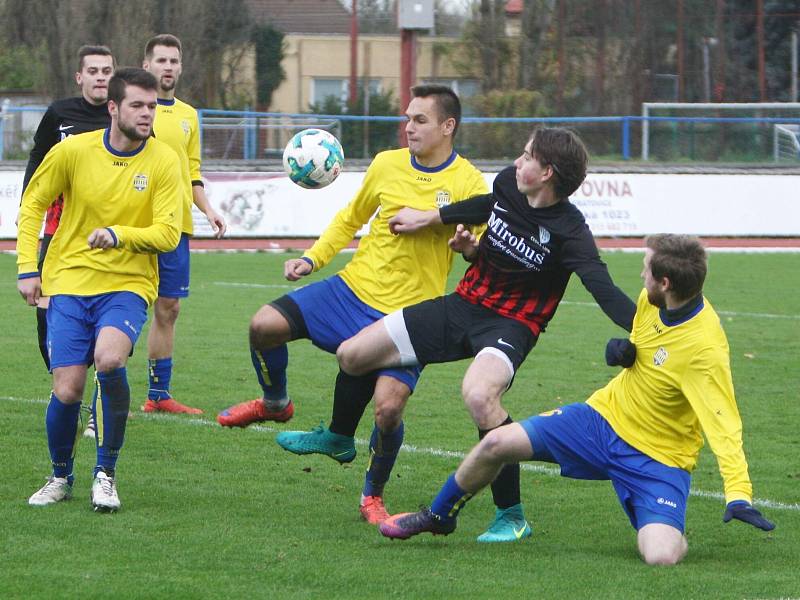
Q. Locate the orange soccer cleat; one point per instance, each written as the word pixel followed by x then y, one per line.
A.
pixel 169 405
pixel 254 411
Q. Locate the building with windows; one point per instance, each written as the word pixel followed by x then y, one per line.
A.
pixel 317 55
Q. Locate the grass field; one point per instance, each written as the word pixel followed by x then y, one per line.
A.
pixel 211 513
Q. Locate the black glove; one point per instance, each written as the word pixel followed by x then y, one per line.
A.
pixel 744 511
pixel 620 352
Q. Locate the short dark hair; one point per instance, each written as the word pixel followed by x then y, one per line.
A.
pixel 447 103
pixel 680 258
pixel 564 151
pixel 93 50
pixel 130 76
pixel 162 39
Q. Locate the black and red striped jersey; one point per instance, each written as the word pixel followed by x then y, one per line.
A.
pixel 526 256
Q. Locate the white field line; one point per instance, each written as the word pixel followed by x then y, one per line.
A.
pixel 726 313
pixel 438 452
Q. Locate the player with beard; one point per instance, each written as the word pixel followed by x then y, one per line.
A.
pixel 644 430
pixel 87 112
pixel 535 240
pixel 386 273
pixel 121 206
pixel 176 124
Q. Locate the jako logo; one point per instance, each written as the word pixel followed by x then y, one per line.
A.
pixel 667 502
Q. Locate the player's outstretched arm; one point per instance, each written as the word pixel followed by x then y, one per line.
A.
pixel 744 511
pixel 297 268
pixel 465 242
pixel 408 220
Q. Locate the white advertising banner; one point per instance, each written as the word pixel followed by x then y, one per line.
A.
pixel 10 192
pixel 614 204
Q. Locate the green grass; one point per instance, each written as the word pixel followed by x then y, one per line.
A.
pixel 211 513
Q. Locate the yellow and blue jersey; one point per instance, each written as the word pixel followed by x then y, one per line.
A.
pixel 389 271
pixel 177 124
pixel 679 388
pixel 135 194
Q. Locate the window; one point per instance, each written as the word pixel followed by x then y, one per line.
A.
pixel 464 88
pixel 339 88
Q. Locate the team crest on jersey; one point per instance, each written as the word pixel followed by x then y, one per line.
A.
pixel 660 357
pixel 442 198
pixel 186 128
pixel 544 236
pixel 140 182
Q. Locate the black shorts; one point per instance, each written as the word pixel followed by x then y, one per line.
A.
pixel 449 328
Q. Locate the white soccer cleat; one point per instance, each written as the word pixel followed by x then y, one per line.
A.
pixel 104 493
pixel 55 490
pixel 89 432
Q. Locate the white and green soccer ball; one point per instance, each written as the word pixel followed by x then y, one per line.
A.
pixel 313 158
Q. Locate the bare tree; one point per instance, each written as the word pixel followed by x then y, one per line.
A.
pixel 537 16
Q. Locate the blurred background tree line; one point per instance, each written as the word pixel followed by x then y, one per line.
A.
pixel 533 57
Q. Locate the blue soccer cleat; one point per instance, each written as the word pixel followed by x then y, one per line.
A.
pixel 319 440
pixel 509 525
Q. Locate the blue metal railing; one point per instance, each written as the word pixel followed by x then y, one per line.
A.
pixel 251 122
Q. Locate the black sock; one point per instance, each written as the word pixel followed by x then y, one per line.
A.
pixel 41 329
pixel 505 487
pixel 350 398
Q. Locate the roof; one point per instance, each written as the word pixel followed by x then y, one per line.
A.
pixel 302 16
pixel 514 7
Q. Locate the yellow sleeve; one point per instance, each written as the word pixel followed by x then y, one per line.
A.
pixel 49 180
pixel 165 232
pixel 708 387
pixel 193 149
pixel 344 226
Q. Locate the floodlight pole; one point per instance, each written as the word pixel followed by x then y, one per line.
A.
pixel 353 95
pixel 794 67
pixel 408 75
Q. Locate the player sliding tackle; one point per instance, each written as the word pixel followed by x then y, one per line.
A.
pixel 535 240
pixel 642 430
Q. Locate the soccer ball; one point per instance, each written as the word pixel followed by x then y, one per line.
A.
pixel 313 158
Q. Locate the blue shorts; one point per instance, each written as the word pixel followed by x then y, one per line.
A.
pixel 582 442
pixel 173 271
pixel 74 322
pixel 333 313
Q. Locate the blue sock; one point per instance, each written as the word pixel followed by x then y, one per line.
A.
pixel 270 368
pixel 111 404
pixel 61 423
pixel 450 499
pixel 383 449
pixel 160 371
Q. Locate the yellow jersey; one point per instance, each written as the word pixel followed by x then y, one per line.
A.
pixel 135 194
pixel 177 124
pixel 679 388
pixel 389 271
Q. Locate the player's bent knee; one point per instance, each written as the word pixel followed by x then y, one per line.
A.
pixel 109 360
pixel 481 405
pixel 495 447
pixel 269 328
pixel 67 392
pixel 166 310
pixel 390 396
pixel 661 544
pixel 350 358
